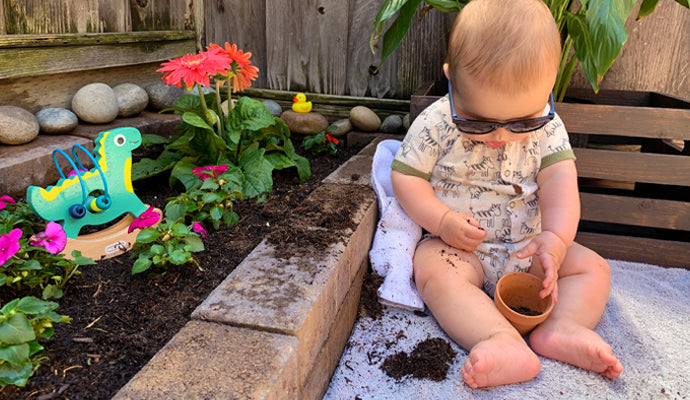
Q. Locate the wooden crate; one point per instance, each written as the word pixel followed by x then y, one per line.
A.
pixel 647 217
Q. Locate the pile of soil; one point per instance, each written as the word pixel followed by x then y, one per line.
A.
pixel 120 321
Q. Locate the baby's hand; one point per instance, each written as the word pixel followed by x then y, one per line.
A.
pixel 550 250
pixel 461 231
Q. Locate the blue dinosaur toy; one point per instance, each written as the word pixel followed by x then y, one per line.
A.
pixel 96 196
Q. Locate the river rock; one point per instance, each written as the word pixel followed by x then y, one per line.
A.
pixel 391 124
pixel 365 119
pixel 162 96
pixel 95 103
pixel 343 126
pixel 17 126
pixel 304 123
pixel 55 120
pixel 131 99
pixel 274 108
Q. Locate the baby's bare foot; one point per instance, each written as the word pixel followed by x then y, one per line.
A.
pixel 500 360
pixel 576 345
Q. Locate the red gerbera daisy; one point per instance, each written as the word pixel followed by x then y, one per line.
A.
pixel 242 72
pixel 194 68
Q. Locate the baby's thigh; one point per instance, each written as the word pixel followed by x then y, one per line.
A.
pixel 434 259
pixel 579 260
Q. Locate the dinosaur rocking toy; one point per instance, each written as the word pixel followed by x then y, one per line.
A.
pixel 94 196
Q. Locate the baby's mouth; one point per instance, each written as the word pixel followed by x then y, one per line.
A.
pixel 494 145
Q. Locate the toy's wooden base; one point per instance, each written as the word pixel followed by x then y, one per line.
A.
pixel 109 242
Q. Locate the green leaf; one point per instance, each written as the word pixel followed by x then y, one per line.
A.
pixel 148 139
pixel 179 257
pixel 195 120
pixel 17 354
pixel 183 172
pixel 141 265
pixel 209 184
pixel 230 217
pixel 78 259
pixel 180 229
pixel 257 172
pixel 599 36
pixel 3 279
pixel 16 329
pixel 646 8
pixel 175 212
pixel 33 305
pixel 447 6
pixel 147 167
pixel 251 115
pixel 52 291
pixel 147 235
pixel 388 8
pixel 157 249
pixel 398 30
pixel 280 160
pixel 216 213
pixel 15 375
pixel 30 265
pixel 195 242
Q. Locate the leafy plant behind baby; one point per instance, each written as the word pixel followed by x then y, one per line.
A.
pixel 23 322
pixel 595 29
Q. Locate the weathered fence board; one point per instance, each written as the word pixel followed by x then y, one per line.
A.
pixel 220 15
pixel 114 16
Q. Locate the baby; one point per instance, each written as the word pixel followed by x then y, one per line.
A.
pixel 489 172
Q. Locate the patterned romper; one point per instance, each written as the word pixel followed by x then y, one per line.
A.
pixel 498 187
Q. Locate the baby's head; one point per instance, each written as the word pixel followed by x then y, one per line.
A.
pixel 506 46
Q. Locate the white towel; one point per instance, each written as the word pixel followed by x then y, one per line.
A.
pixel 396 236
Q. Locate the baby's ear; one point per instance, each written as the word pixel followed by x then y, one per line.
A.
pixel 445 70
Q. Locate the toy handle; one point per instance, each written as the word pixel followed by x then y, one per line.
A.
pixel 76 210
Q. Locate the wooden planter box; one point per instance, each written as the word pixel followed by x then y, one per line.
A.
pixel 646 217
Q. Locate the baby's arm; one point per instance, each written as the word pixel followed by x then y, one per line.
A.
pixel 559 203
pixel 417 198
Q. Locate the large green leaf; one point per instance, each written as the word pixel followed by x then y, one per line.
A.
pixel 17 354
pixel 397 31
pixel 257 172
pixel 447 6
pixel 147 167
pixel 33 305
pixel 16 329
pixel 599 36
pixel 252 114
pixel 14 375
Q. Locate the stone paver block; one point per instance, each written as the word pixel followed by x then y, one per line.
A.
pixel 326 361
pixel 32 164
pixel 302 295
pixel 212 361
pixel 355 171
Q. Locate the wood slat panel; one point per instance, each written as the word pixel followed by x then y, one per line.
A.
pixel 55 16
pixel 78 58
pixel 114 16
pixel 79 39
pixel 651 251
pixel 659 123
pixel 306 50
pixel 639 167
pixel 653 213
pixel 361 80
pixel 226 21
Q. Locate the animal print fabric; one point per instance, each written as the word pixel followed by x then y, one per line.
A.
pixel 498 187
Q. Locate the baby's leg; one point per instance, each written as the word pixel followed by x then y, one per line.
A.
pixel 567 335
pixel 449 281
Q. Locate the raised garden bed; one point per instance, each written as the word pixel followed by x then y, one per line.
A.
pixel 120 321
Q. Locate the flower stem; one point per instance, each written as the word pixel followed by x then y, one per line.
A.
pixel 221 115
pixel 203 103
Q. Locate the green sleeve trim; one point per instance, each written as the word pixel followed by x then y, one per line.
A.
pixel 407 170
pixel 556 157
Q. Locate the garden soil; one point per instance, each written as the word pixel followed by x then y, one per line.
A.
pixel 119 321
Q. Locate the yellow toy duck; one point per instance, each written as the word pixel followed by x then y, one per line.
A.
pixel 301 105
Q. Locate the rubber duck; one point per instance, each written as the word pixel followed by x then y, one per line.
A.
pixel 301 105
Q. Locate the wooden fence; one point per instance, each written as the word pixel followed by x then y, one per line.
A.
pixel 48 49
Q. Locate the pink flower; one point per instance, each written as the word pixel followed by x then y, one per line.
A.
pixel 194 68
pixel 4 200
pixel 211 171
pixel 53 238
pixel 196 227
pixel 146 219
pixel 9 244
pixel 73 172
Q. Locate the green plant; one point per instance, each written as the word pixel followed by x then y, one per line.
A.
pixel 30 259
pixel 209 198
pixel 322 141
pixel 249 137
pixel 23 322
pixel 595 29
pixel 169 243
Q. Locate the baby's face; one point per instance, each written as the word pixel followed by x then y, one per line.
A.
pixel 473 101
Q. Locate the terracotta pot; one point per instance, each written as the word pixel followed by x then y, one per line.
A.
pixel 520 290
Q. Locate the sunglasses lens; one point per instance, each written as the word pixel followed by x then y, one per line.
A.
pixel 475 127
pixel 528 125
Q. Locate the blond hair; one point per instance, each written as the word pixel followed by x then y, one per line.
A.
pixel 505 44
